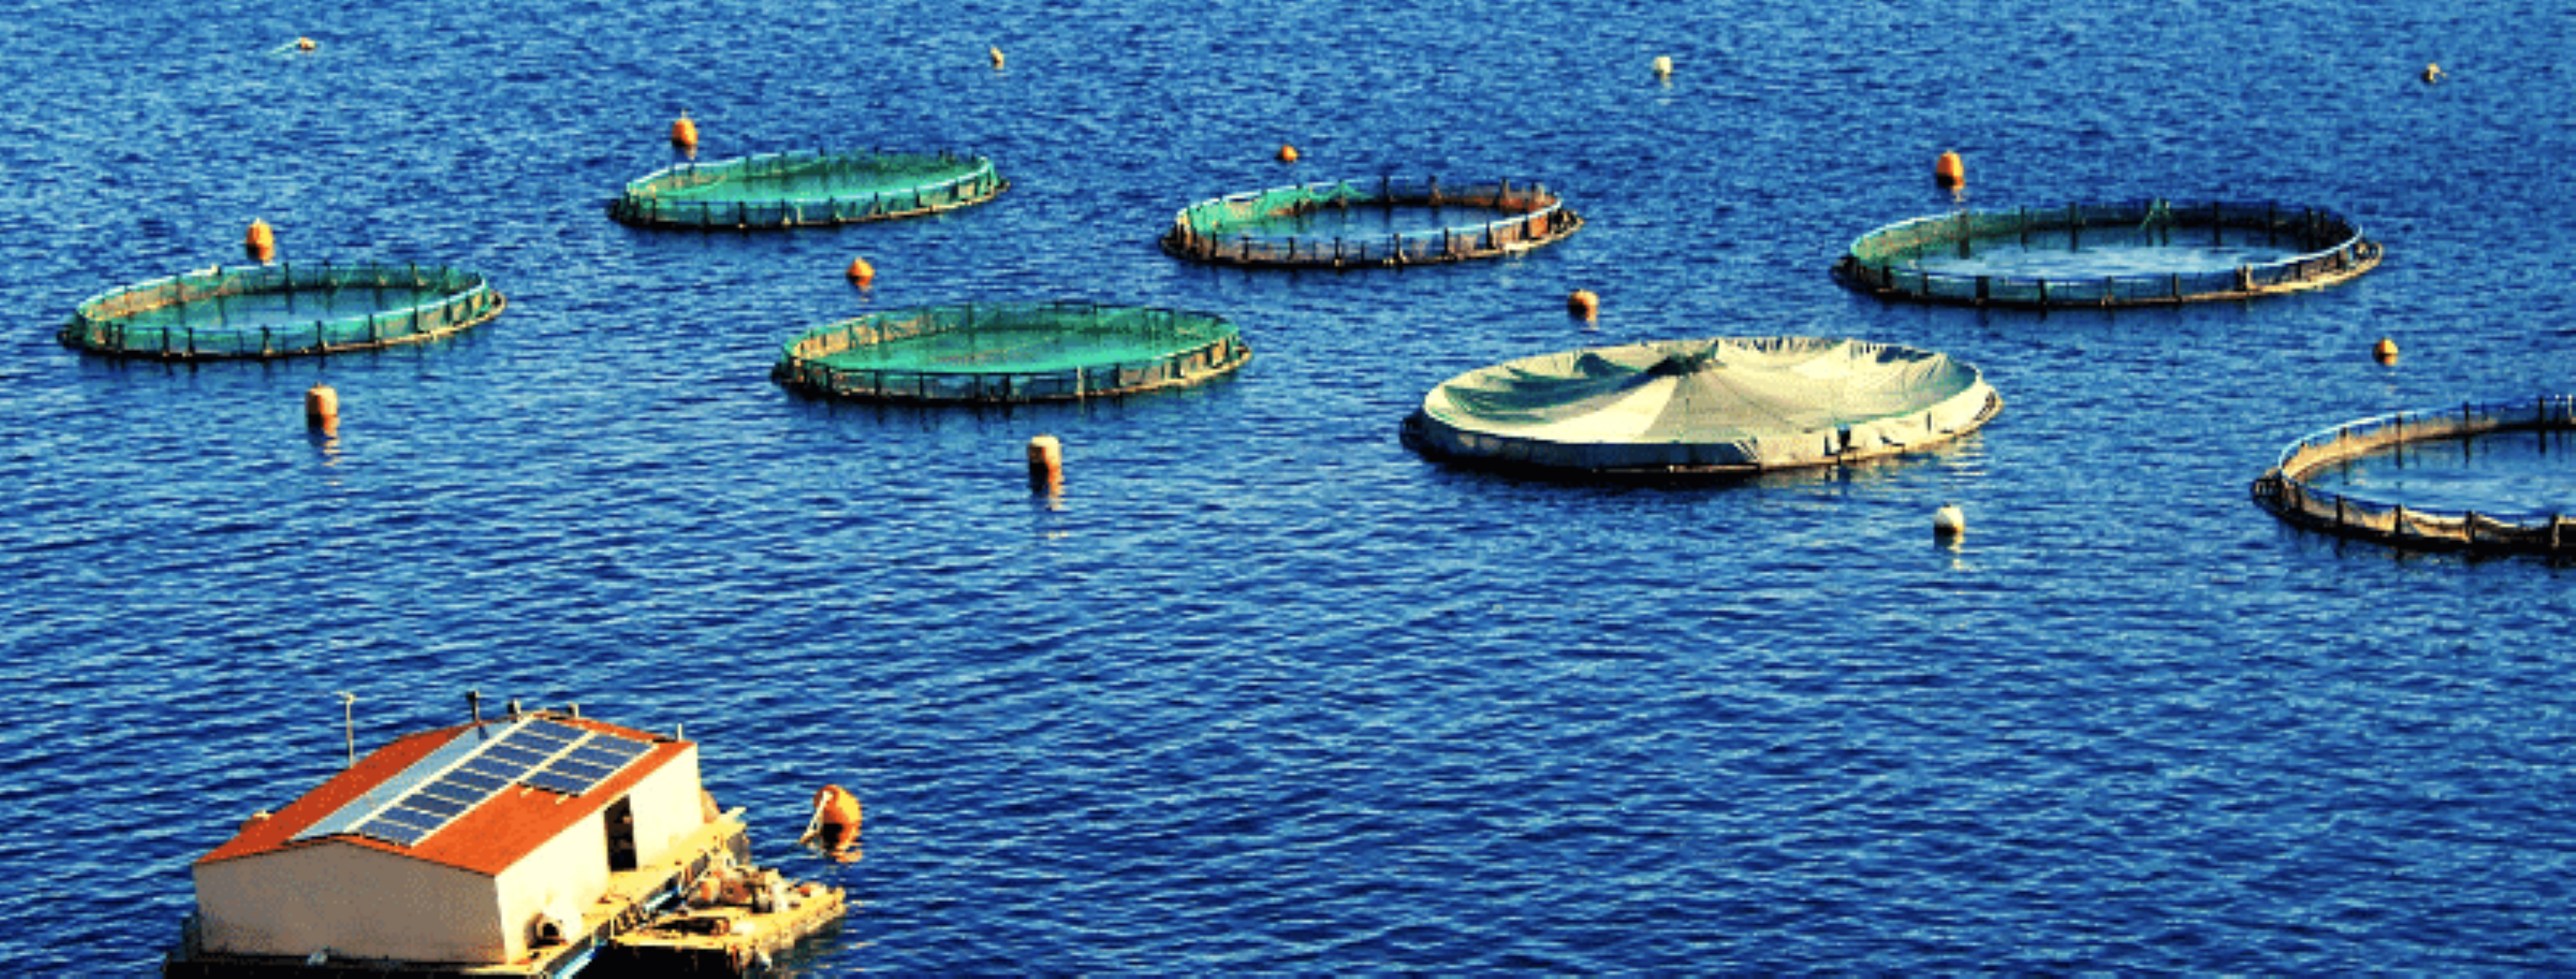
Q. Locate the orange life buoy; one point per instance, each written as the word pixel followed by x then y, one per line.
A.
pixel 837 816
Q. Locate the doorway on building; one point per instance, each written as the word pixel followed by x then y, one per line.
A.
pixel 621 836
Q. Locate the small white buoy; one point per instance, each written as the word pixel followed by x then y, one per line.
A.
pixel 1663 66
pixel 1046 463
pixel 996 54
pixel 2432 72
pixel 1948 521
pixel 2385 350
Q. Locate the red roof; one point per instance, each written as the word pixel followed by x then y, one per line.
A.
pixel 486 839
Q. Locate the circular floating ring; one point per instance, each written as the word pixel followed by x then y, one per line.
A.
pixel 2285 491
pixel 281 310
pixel 1725 406
pixel 2137 253
pixel 803 190
pixel 1009 352
pixel 1341 224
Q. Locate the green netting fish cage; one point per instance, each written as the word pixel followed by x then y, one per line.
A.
pixel 1009 352
pixel 798 190
pixel 1383 222
pixel 2134 253
pixel 1716 407
pixel 2288 493
pixel 282 310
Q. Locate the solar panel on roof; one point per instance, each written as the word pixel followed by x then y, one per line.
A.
pixel 540 753
pixel 441 808
pixel 515 755
pixel 393 833
pixel 447 790
pixel 553 781
pixel 588 763
pixel 560 734
pixel 412 818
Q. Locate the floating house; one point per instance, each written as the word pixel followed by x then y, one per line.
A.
pixel 521 845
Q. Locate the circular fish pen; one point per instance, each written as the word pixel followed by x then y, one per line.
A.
pixel 803 190
pixel 2288 492
pixel 1387 222
pixel 986 353
pixel 282 310
pixel 1719 407
pixel 2138 253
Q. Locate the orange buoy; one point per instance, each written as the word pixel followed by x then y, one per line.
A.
pixel 835 826
pixel 321 406
pixel 1583 303
pixel 304 44
pixel 861 272
pixel 259 241
pixel 1950 172
pixel 1287 154
pixel 684 134
pixel 2385 350
pixel 1046 464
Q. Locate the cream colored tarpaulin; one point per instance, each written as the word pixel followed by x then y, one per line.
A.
pixel 1759 403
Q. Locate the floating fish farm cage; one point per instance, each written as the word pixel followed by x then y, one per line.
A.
pixel 1009 352
pixel 801 190
pixel 281 310
pixel 2286 492
pixel 2138 253
pixel 1385 222
pixel 1726 406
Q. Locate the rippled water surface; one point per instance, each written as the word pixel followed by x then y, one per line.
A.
pixel 1261 691
pixel 2511 472
pixel 2060 259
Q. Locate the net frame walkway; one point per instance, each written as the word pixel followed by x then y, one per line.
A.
pixel 1199 346
pixel 647 201
pixel 2331 250
pixel 2284 491
pixel 1211 231
pixel 1861 441
pixel 466 300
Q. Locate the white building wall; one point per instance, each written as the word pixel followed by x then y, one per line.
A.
pixel 352 900
pixel 570 872
pixel 666 806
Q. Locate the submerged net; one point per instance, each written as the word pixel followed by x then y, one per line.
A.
pixel 281 310
pixel 1417 222
pixel 2134 253
pixel 2286 492
pixel 1723 405
pixel 789 190
pixel 1003 352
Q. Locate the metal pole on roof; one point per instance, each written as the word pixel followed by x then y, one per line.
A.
pixel 349 723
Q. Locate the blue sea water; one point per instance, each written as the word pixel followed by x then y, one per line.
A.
pixel 1262 691
pixel 2500 473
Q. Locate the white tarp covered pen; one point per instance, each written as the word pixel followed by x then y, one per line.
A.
pixel 1716 406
